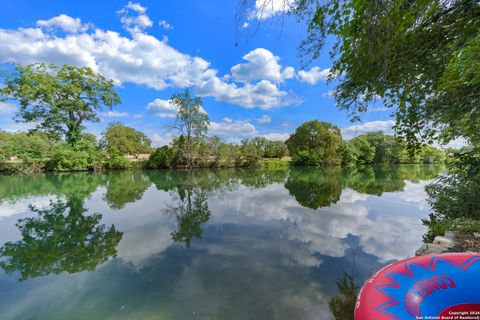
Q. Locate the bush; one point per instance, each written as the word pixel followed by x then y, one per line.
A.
pixel 116 161
pixel 161 158
pixel 82 156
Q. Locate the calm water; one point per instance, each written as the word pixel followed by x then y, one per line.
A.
pixel 226 244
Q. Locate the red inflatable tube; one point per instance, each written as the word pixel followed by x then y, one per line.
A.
pixel 438 286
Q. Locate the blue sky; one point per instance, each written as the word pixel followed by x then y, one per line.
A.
pixel 250 79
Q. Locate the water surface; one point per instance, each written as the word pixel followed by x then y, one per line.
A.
pixel 223 244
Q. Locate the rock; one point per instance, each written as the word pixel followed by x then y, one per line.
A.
pixel 448 243
pixel 450 235
pixel 428 248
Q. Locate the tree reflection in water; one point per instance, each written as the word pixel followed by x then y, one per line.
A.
pixel 342 305
pixel 60 238
pixel 191 212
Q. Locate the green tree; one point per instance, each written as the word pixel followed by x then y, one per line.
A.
pixel 59 99
pixel 315 143
pixel 418 56
pixel 125 139
pixel 192 122
pixel 366 152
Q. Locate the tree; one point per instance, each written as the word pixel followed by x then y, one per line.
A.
pixel 192 121
pixel 418 56
pixel 59 99
pixel 315 143
pixel 366 152
pixel 125 139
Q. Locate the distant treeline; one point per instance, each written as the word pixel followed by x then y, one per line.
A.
pixel 58 100
pixel 314 143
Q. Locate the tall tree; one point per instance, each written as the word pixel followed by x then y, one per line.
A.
pixel 420 57
pixel 59 99
pixel 315 143
pixel 125 139
pixel 191 122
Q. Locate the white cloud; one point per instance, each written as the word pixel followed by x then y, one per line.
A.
pixel 261 65
pixel 160 140
pixel 275 136
pixel 137 22
pixel 162 108
pixel 232 129
pixel 264 94
pixel 314 75
pixel 355 130
pixel 165 108
pixel 114 114
pixel 137 115
pixel 145 60
pixel 65 23
pixel 7 108
pixel 264 119
pixel 265 9
pixel 165 25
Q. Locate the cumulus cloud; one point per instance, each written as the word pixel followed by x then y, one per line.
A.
pixel 160 140
pixel 142 59
pixel 165 108
pixel 264 119
pixel 133 17
pixel 263 94
pixel 314 75
pixel 114 114
pixel 165 25
pixel 232 129
pixel 261 64
pixel 162 108
pixel 355 130
pixel 65 23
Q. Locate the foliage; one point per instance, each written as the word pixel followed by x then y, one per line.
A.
pixel 125 140
pixel 270 149
pixel 30 150
pixel 116 161
pixel 61 238
pixel 315 143
pixel 191 122
pixel 420 57
pixel 454 195
pixel 59 99
pixel 161 158
pixel 82 156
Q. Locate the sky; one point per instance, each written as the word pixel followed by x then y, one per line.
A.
pixel 247 72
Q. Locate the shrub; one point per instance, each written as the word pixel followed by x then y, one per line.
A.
pixel 82 156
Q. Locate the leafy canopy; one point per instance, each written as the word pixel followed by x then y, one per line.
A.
pixel 421 58
pixel 59 99
pixel 125 139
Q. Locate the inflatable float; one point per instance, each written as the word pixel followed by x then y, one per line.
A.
pixel 437 286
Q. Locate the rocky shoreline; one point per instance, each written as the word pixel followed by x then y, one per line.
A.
pixel 452 241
